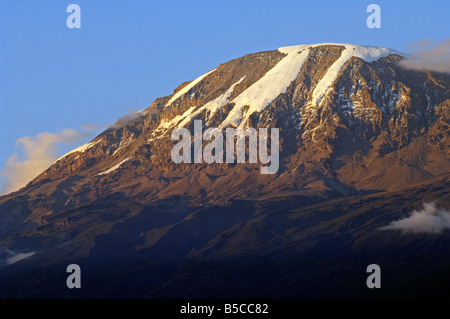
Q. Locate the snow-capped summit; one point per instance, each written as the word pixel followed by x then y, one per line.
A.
pixel 343 112
pixel 360 139
pixel 275 82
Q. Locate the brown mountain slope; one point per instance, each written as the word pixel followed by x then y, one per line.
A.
pixel 379 127
pixel 363 142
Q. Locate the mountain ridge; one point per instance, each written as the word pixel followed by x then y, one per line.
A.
pixel 362 142
pixel 358 104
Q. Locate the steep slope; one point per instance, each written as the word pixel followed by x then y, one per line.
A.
pixel 362 142
pixel 288 247
pixel 350 118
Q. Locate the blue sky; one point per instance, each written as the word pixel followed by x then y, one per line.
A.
pixel 127 53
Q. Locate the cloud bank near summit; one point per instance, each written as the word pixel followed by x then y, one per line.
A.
pixel 429 56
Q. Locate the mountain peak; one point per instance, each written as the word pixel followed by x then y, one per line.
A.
pixel 274 82
pixel 366 53
pixel 343 111
pixel 348 121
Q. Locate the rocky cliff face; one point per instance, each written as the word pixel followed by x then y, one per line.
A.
pixel 351 120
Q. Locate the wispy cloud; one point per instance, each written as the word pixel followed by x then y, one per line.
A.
pixel 429 56
pixel 430 219
pixel 18 257
pixel 35 154
pixel 130 116
pixel 9 257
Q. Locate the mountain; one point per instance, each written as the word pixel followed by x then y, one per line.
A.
pixel 362 142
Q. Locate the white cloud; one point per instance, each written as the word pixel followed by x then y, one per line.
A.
pixel 430 219
pixel 9 257
pixel 18 257
pixel 429 58
pixel 124 120
pixel 37 154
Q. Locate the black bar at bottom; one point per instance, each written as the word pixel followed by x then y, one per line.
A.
pixel 222 308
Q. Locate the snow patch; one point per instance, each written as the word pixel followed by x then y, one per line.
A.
pixel 211 106
pixel 164 125
pixel 365 53
pixel 275 82
pixel 123 143
pixel 81 149
pixel 117 150
pixel 186 89
pixel 114 167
